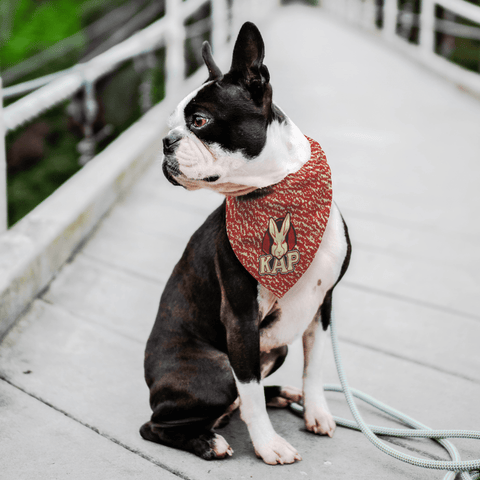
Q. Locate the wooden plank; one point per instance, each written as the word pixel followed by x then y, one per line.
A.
pixel 96 375
pixel 444 286
pixel 93 290
pixel 148 231
pixel 440 339
pixel 40 442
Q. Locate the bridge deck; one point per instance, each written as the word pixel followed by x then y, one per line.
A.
pixel 404 148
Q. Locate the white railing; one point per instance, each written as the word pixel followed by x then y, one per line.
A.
pixel 36 247
pixel 169 32
pixel 3 170
pixel 364 13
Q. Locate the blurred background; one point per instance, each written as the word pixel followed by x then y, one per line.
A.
pixel 42 37
pixel 41 40
pixel 388 88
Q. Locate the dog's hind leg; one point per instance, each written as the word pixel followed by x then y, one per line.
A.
pixel 196 438
pixel 188 393
pixel 318 418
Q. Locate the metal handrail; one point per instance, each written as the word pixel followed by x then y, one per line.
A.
pixel 169 32
pixel 363 13
pixel 447 27
pixel 54 92
pixel 19 89
pixel 112 20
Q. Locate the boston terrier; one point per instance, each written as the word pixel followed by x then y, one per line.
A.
pixel 258 274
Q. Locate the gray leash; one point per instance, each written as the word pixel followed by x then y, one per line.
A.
pixel 469 470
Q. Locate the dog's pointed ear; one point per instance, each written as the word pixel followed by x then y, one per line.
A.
pixel 247 61
pixel 214 73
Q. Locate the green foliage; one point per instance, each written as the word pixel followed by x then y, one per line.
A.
pixel 120 100
pixel 466 53
pixel 36 26
pixel 26 189
pixel 158 77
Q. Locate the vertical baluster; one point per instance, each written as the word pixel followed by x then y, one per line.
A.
pixel 427 27
pixel 90 108
pixel 236 20
pixel 242 12
pixel 390 12
pixel 230 19
pixel 144 64
pixel 174 62
pixel 219 25
pixel 369 11
pixel 3 169
pixel 355 11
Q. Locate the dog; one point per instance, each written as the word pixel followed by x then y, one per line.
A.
pixel 219 330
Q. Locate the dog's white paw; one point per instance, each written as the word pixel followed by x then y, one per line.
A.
pixel 277 451
pixel 221 447
pixel 319 421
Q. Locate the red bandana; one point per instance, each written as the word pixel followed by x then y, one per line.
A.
pixel 275 237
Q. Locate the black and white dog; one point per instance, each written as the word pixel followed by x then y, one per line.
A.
pixel 219 331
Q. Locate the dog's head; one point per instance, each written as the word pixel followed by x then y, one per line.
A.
pixel 228 135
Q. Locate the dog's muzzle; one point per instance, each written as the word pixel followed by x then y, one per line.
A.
pixel 171 166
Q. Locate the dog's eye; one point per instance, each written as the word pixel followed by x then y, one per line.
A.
pixel 199 121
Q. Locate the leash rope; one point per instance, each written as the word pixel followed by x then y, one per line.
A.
pixel 468 469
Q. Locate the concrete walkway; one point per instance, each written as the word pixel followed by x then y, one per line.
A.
pixel 405 153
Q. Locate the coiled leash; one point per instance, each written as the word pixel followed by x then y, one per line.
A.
pixel 469 470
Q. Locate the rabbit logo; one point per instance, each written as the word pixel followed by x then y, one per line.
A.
pixel 278 245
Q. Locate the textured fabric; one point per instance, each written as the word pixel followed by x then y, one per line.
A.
pixel 276 236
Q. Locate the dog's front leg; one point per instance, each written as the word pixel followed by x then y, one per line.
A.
pixel 318 418
pixel 269 446
pixel 239 314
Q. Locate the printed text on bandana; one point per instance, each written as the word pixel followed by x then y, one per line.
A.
pixel 278 245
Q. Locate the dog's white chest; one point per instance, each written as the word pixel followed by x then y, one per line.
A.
pixel 285 319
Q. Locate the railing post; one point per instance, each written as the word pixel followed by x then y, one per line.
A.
pixel 353 11
pixel 220 25
pixel 174 62
pixel 86 146
pixel 427 27
pixel 238 13
pixel 368 14
pixel 144 65
pixel 3 169
pixel 390 12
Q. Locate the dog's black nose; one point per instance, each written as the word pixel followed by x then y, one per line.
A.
pixel 170 140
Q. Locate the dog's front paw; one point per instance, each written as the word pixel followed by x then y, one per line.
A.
pixel 277 451
pixel 319 421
